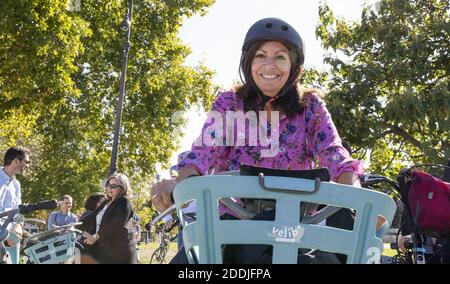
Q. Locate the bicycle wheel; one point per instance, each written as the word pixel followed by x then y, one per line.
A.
pixel 158 256
pixel 154 257
pixel 163 254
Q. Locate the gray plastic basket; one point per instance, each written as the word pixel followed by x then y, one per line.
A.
pixel 204 238
pixel 54 249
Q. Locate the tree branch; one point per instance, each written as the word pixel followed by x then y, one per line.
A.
pixel 385 133
pixel 398 131
pixel 412 156
pixel 363 154
pixel 445 145
pixel 420 128
pixel 393 158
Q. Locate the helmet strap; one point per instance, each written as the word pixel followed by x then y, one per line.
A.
pixel 271 100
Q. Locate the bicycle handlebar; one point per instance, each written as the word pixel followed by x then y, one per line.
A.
pixel 163 214
pixel 370 180
pixel 23 209
pixel 28 208
pixel 44 205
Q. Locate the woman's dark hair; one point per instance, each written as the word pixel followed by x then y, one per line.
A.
pixel 292 96
pixel 347 146
pixel 93 200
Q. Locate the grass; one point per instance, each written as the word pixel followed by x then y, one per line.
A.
pixel 388 251
pixel 146 250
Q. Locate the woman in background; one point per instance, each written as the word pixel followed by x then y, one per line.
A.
pixel 112 241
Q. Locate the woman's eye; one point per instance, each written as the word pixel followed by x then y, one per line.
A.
pixel 260 55
pixel 281 57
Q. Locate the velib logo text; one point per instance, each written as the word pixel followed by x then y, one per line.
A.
pixel 286 234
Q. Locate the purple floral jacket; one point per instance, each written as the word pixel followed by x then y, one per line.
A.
pixel 305 141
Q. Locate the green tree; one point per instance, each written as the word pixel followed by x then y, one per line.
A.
pixel 59 81
pixel 389 81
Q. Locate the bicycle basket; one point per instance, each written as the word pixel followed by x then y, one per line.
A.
pixel 52 250
pixel 205 238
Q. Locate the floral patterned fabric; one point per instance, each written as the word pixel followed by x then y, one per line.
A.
pixel 305 141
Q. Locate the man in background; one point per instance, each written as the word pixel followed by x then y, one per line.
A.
pixel 16 161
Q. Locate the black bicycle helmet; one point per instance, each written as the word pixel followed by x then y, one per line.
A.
pixel 278 30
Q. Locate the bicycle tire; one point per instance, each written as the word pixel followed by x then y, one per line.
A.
pixel 158 255
pixel 162 256
pixel 153 256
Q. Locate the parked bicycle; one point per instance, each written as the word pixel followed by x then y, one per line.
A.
pixel 58 245
pixel 16 216
pixel 48 247
pixel 426 242
pixel 166 237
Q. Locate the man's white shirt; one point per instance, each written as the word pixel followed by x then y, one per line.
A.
pixel 10 196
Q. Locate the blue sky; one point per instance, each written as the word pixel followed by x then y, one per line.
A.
pixel 216 39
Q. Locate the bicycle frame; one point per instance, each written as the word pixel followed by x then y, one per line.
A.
pixel 165 239
pixel 16 215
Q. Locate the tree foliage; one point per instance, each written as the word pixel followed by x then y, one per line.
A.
pixel 59 81
pixel 389 80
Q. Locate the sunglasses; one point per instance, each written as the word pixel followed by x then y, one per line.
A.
pixel 113 186
pixel 26 161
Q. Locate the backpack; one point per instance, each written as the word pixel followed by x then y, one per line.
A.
pixel 428 201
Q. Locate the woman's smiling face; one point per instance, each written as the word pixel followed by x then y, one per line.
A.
pixel 271 67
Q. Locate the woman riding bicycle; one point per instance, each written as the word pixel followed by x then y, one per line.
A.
pixel 271 66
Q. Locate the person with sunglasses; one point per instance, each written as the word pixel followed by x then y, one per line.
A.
pixel 113 241
pixel 16 161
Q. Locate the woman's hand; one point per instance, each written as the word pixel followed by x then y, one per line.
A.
pixel 167 225
pixel 161 192
pixel 349 178
pixel 86 234
pixel 90 240
pixel 352 179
